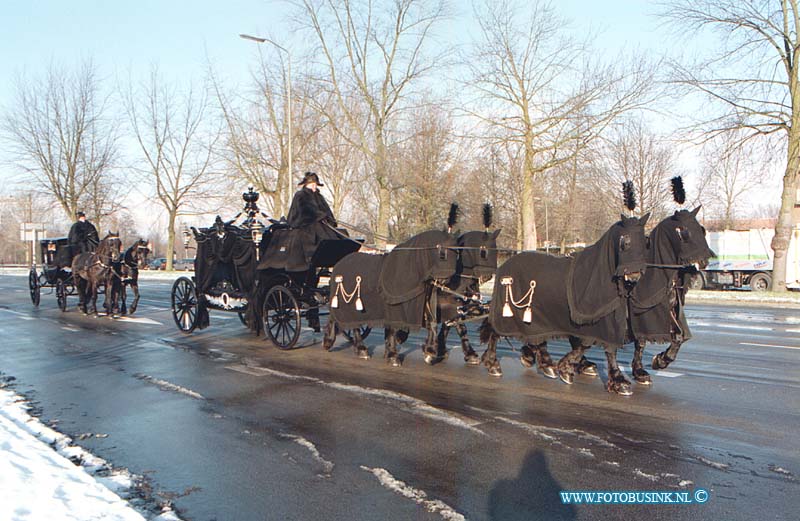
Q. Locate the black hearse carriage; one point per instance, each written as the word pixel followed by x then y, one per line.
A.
pixel 56 272
pixel 230 276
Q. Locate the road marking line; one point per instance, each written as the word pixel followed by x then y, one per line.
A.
pixel 793 330
pixel 731 326
pixel 768 345
pixel 668 374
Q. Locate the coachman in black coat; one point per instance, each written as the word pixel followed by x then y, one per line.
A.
pixel 83 236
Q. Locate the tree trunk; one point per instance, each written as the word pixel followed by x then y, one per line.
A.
pixel 384 194
pixel 528 212
pixel 171 238
pixel 783 227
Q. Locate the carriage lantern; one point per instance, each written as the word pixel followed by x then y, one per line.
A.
pixel 256 232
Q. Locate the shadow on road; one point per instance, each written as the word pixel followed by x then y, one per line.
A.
pixel 532 495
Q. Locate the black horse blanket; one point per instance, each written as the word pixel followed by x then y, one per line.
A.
pixel 550 297
pixel 395 287
pixel 657 301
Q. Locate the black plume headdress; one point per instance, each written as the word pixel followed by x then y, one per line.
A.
pixel 678 193
pixel 487 216
pixel 452 217
pixel 629 195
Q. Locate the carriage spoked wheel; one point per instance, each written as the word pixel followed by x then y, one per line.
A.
pixel 61 295
pixel 184 304
pixel 348 333
pixel 33 284
pixel 281 314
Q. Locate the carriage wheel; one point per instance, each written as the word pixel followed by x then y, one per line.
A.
pixel 33 284
pixel 242 318
pixel 184 304
pixel 348 333
pixel 281 315
pixel 61 295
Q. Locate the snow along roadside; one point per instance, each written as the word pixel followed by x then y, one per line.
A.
pixel 44 477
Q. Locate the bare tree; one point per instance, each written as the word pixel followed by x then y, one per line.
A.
pixel 730 171
pixel 752 80
pixel 536 86
pixel 374 52
pixel 176 141
pixel 256 139
pixel 635 153
pixel 61 135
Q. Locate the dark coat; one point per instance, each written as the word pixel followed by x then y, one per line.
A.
pixel 310 221
pixel 83 237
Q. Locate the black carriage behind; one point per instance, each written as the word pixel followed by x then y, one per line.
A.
pixel 55 272
pixel 238 269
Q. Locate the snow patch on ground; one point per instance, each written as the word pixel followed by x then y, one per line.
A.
pixel 779 470
pixel 43 476
pixel 651 477
pixel 418 496
pixel 327 466
pixel 167 386
pixel 714 464
pixel 552 433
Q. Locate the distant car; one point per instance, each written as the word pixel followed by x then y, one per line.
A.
pixel 159 263
pixel 183 265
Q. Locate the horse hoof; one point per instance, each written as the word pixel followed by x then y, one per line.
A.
pixel 620 388
pixel 362 353
pixel 525 361
pixel 472 359
pixel 429 359
pixel 394 361
pixel 549 371
pixel 643 378
pixel 495 371
pixel 659 363
pixel 567 378
pixel 588 368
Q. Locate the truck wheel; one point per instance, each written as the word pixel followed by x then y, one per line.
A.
pixel 760 282
pixel 697 282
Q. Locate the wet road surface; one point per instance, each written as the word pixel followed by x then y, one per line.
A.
pixel 228 427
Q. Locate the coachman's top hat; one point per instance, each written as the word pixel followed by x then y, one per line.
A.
pixel 310 177
pixel 80 214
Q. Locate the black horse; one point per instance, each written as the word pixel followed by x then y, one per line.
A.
pixel 460 300
pixel 539 297
pixel 393 290
pixel 92 270
pixel 126 272
pixel 676 244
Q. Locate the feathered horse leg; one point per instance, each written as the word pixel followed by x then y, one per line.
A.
pixel 617 383
pixel 664 358
pixel 470 356
pixel 358 345
pixel 537 354
pixel 567 365
pixel 390 343
pixel 489 359
pixel 329 338
pixel 637 371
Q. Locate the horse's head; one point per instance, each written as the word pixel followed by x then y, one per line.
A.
pixel 687 238
pixel 141 249
pixel 438 253
pixel 478 253
pixel 110 247
pixel 630 246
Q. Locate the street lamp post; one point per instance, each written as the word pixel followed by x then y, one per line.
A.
pixel 287 86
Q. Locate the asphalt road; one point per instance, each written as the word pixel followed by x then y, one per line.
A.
pixel 229 428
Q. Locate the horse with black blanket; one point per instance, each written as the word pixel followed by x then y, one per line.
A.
pixel 459 300
pixel 539 297
pixel 676 244
pixel 126 272
pixel 394 290
pixel 92 270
